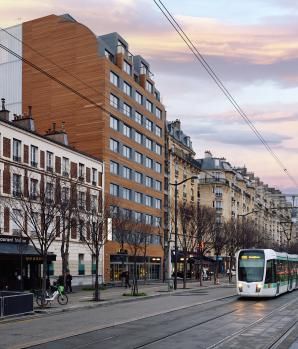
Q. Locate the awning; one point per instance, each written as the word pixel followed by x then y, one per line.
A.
pixel 27 251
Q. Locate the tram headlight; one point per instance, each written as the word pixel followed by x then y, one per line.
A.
pixel 240 286
pixel 258 287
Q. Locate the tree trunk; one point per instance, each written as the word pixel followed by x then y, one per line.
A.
pixel 134 289
pixel 184 270
pixel 44 274
pixel 96 286
pixel 230 269
pixel 201 273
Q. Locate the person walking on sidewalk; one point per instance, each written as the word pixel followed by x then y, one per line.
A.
pixel 68 283
pixel 127 280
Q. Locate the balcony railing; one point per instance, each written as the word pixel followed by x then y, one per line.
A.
pixel 34 164
pixel 214 180
pixel 16 158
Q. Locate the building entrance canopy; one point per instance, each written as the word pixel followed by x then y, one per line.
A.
pixel 27 251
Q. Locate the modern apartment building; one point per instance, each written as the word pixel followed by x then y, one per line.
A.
pixel 30 164
pixel 122 119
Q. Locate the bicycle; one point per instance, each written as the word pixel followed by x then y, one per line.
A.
pixel 43 301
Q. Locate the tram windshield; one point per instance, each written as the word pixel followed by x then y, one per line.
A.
pixel 251 266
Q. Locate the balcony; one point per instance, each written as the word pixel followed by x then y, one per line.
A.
pixel 16 193
pixel 34 164
pixel 16 158
pixel 65 174
pixel 50 169
pixel 94 183
pixel 81 178
pixel 214 181
pixel 218 195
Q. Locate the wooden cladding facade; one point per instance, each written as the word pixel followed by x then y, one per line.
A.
pixel 75 48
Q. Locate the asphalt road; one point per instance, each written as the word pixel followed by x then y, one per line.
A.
pixel 213 318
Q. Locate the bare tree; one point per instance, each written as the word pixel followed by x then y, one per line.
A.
pixel 187 237
pixel 203 225
pixel 35 213
pixel 93 227
pixel 219 240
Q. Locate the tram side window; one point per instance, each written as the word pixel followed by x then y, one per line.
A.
pixel 281 270
pixel 270 272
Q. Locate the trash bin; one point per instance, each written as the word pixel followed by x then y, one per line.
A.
pixel 170 285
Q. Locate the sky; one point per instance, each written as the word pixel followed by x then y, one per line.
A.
pixel 251 45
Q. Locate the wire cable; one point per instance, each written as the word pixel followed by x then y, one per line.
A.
pixel 220 84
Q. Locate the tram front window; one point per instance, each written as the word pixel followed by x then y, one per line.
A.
pixel 251 266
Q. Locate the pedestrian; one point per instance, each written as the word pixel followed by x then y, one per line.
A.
pixel 123 274
pixel 127 280
pixel 68 283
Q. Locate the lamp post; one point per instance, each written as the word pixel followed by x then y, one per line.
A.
pixel 176 184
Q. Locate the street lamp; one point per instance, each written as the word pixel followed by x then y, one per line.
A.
pixel 176 224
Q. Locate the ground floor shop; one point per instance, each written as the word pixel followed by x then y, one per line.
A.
pixel 20 264
pixel 145 268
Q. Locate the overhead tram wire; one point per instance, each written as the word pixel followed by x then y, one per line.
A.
pixel 220 84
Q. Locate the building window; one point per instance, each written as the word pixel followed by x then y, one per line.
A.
pixel 148 219
pixel 138 216
pixel 81 170
pixel 126 172
pixel 127 89
pixel 94 176
pixel 94 202
pixel 138 177
pixel 158 185
pixel 127 68
pixel 127 131
pixel 157 222
pixel 126 152
pixel 138 118
pixel 149 143
pixel 158 204
pixel 138 157
pixel 16 185
pixel 34 152
pixel 65 194
pixel 158 131
pixel 114 101
pixel 158 167
pixel 148 201
pixel 33 188
pixel 81 264
pixel 17 150
pixel 149 86
pixel 82 197
pixel 65 167
pixel 114 79
pixel 114 145
pixel 158 113
pixel 50 163
pixel 114 123
pixel 149 162
pixel 138 197
pixel 114 167
pixel 49 192
pixel 138 137
pixel 109 56
pixel 126 194
pixel 127 109
pixel 149 181
pixel 149 106
pixel 114 189
pixel 158 149
pixel 139 97
pixel 149 125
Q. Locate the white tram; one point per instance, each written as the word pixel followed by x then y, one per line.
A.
pixel 265 273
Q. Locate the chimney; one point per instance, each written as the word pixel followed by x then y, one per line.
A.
pixel 4 114
pixel 57 136
pixel 177 124
pixel 208 154
pixel 25 121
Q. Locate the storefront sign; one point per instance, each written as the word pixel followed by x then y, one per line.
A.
pixel 12 239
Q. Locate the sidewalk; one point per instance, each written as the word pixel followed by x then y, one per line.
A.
pixel 80 299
